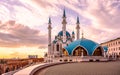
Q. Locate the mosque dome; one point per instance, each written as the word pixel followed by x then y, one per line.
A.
pixel 89 45
pixel 73 32
pixel 61 33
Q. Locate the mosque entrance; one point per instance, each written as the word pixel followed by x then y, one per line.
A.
pixel 65 53
pixel 79 51
pixel 98 52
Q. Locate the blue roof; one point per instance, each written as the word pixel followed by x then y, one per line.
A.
pixel 61 33
pixel 73 32
pixel 54 41
pixel 88 45
pixel 105 48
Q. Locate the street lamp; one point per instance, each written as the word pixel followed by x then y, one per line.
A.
pixel 82 53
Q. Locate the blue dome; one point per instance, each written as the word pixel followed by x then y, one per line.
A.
pixel 61 33
pixel 88 45
pixel 105 48
pixel 73 32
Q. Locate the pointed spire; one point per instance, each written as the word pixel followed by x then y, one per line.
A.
pixel 64 14
pixel 49 22
pixel 78 20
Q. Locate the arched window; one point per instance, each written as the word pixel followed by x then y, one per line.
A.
pixel 65 52
pixel 98 52
pixel 78 51
pixel 57 47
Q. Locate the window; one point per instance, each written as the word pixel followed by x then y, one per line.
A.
pixel 113 43
pixel 57 47
pixel 119 48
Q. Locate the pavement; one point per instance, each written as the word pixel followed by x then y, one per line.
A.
pixel 27 71
pixel 83 68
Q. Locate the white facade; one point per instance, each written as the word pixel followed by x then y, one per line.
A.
pixel 113 47
pixel 62 39
pixel 49 36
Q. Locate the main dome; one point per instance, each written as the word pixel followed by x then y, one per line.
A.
pixel 61 33
pixel 87 44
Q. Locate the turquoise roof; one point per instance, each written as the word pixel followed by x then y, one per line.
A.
pixel 73 32
pixel 61 33
pixel 105 48
pixel 54 41
pixel 88 45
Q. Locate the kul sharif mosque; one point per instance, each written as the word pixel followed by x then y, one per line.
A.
pixel 65 48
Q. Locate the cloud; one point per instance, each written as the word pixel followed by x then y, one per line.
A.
pixel 96 17
pixel 102 16
pixel 16 35
pixel 104 19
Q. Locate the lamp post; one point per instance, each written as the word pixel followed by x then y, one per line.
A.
pixel 104 54
pixel 82 53
pixel 112 55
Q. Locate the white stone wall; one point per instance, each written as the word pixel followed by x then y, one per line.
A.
pixel 113 46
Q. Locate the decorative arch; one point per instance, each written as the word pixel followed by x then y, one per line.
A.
pixel 57 47
pixel 78 51
pixel 98 51
pixel 65 52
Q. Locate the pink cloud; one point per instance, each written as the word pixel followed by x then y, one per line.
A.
pixel 20 35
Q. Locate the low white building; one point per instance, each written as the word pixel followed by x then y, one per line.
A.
pixel 32 56
pixel 113 47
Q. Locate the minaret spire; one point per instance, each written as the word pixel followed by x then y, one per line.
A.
pixel 64 26
pixel 49 35
pixel 64 14
pixel 78 20
pixel 77 28
pixel 49 22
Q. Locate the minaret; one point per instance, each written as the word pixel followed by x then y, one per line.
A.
pixel 78 28
pixel 64 26
pixel 49 36
pixel 73 36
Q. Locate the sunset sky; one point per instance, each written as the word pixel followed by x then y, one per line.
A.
pixel 23 23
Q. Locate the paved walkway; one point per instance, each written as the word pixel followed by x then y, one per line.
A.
pixel 27 71
pixel 84 68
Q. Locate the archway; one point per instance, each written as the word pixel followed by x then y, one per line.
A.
pixel 78 51
pixel 65 53
pixel 98 52
pixel 7 69
pixel 13 68
pixel 57 47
